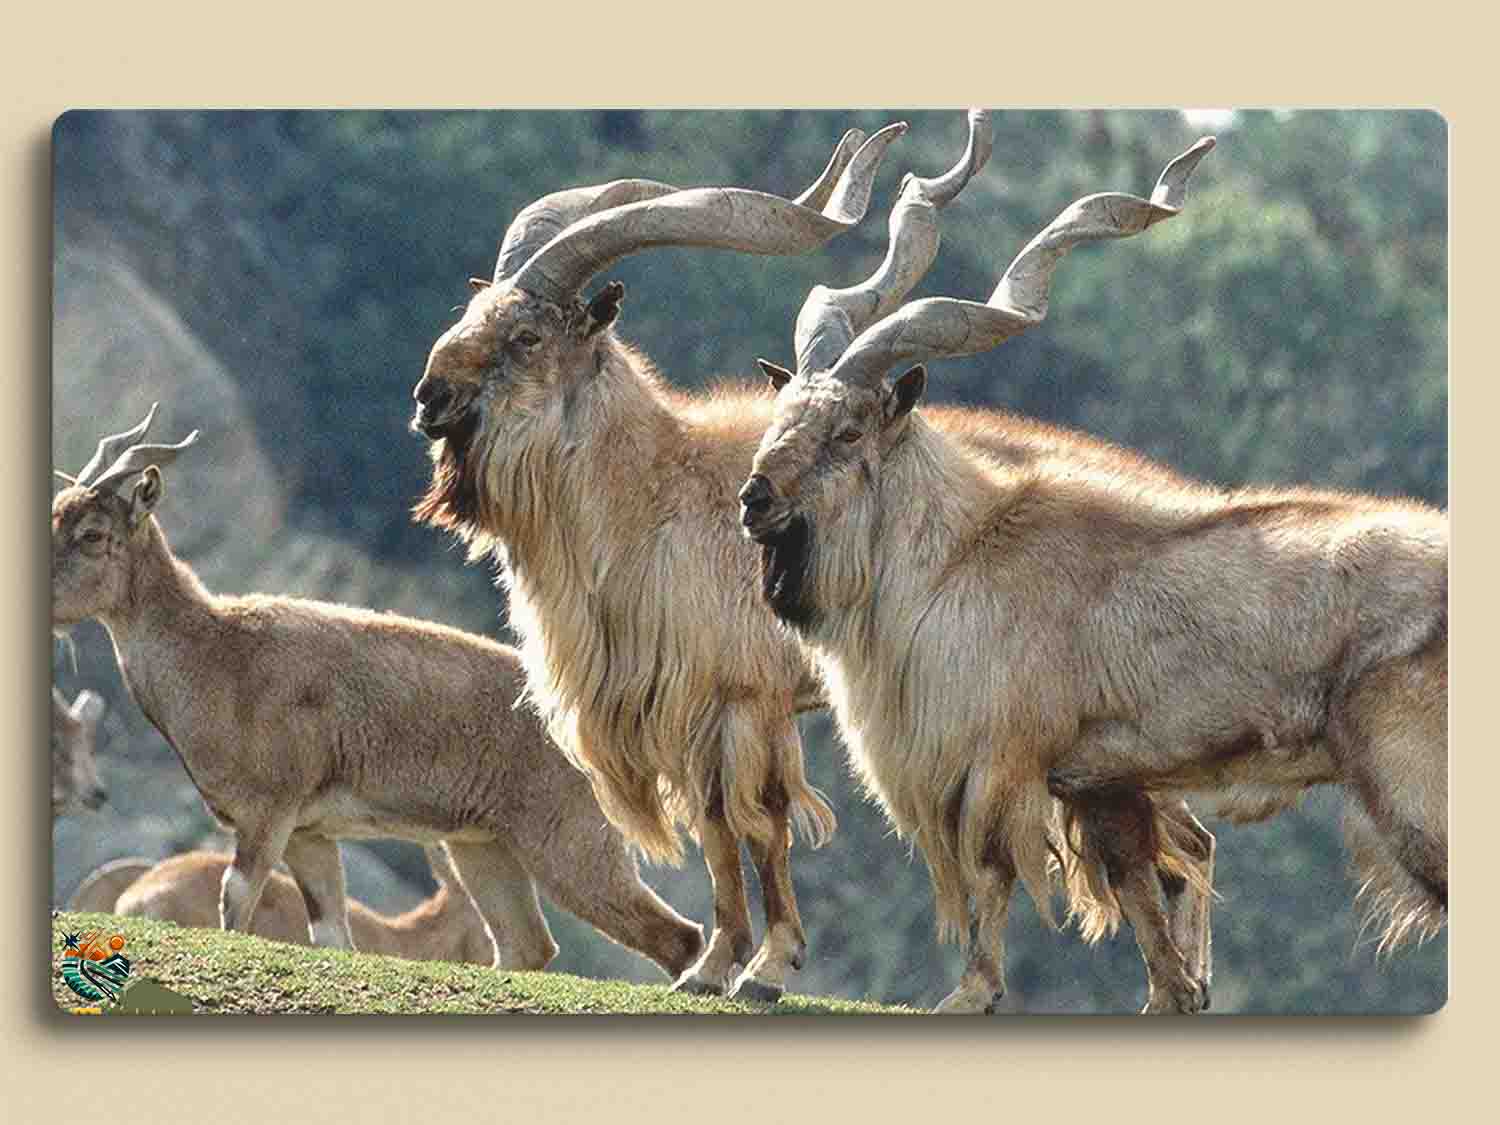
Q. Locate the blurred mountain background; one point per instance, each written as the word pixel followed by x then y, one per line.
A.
pixel 277 278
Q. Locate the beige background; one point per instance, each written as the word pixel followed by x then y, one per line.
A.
pixel 281 1070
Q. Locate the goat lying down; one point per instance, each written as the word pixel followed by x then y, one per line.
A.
pixel 302 723
pixel 185 889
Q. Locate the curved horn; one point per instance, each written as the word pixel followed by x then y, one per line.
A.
pixel 946 326
pixel 712 218
pixel 831 318
pixel 540 222
pixel 139 457
pixel 817 195
pixel 941 190
pixel 110 447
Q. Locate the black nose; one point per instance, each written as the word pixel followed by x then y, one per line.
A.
pixel 430 392
pixel 97 798
pixel 756 496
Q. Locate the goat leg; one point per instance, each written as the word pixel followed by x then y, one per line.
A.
pixel 730 944
pixel 318 869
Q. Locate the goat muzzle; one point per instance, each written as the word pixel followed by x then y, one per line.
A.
pixel 760 513
pixel 436 408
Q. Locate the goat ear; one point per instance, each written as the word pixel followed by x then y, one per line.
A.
pixel 778 375
pixel 478 284
pixel 604 308
pixel 905 393
pixel 145 495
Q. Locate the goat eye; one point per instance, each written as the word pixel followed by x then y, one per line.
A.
pixel 92 535
pixel 849 435
pixel 526 340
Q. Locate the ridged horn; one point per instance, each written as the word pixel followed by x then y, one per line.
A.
pixel 140 457
pixel 831 318
pixel 110 447
pixel 946 326
pixel 818 194
pixel 711 218
pixel 540 222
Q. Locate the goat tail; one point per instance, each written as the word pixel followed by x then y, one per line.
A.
pixel 1400 905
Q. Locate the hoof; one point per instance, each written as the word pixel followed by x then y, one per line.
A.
pixel 1185 1002
pixel 748 988
pixel 964 1003
pixel 697 986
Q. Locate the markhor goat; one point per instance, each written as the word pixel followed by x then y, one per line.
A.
pixel 1110 631
pixel 302 723
pixel 185 889
pixel 826 326
pixel 609 501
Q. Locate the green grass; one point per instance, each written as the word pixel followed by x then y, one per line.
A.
pixel 231 973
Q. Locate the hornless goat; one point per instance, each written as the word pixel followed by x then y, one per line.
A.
pixel 185 889
pixel 302 723
pixel 1110 629
pixel 608 500
pixel 75 773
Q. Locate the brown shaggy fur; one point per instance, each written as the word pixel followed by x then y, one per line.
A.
pixel 609 501
pixel 75 772
pixel 302 723
pixel 1109 627
pixel 185 889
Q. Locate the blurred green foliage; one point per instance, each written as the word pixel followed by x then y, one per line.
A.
pixel 1290 327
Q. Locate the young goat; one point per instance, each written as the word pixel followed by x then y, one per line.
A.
pixel 1110 629
pixel 185 889
pixel 302 723
pixel 75 773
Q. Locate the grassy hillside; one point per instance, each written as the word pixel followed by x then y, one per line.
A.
pixel 229 973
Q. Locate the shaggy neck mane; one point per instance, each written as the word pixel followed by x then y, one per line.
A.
pixel 580 483
pixel 930 498
pixel 601 508
pixel 451 502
